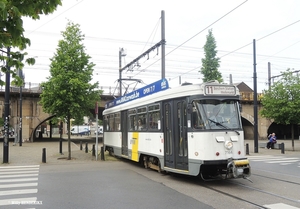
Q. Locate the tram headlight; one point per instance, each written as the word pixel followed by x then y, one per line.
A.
pixel 228 145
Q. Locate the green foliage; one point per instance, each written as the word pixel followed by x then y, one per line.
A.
pixel 12 31
pixel 282 101
pixel 210 63
pixel 68 92
pixel 78 121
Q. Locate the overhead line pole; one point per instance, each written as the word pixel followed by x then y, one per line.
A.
pixel 255 99
pixel 163 43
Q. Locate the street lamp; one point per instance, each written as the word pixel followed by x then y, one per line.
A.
pixel 122 53
pixel 6 110
pixel 20 121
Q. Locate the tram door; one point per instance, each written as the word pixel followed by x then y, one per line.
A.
pixel 175 134
pixel 124 133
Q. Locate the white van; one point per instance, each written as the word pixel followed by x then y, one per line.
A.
pixel 80 130
pixel 100 130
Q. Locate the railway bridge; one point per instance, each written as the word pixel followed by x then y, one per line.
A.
pixel 34 118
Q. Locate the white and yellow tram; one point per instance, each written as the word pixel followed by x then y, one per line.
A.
pixel 191 129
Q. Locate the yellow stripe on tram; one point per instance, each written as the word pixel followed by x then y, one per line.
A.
pixel 135 146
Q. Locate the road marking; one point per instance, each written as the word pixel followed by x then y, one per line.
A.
pixel 15 201
pixel 18 192
pixel 20 166
pixel 16 172
pixel 17 183
pixel 18 180
pixel 3 186
pixel 280 206
pixel 19 175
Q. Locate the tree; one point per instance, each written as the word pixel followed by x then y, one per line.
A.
pixel 12 31
pixel 210 63
pixel 68 92
pixel 282 101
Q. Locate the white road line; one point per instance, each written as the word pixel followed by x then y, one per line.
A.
pixel 18 180
pixel 18 192
pixel 20 166
pixel 16 200
pixel 280 206
pixel 19 175
pixel 3 186
pixel 17 172
pixel 18 169
pixel 284 161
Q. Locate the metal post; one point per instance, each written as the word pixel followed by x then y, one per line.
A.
pixel 60 137
pixel 44 155
pixel 102 153
pixel 86 148
pixel 80 145
pixel 6 111
pixel 120 72
pixel 20 122
pixel 163 44
pixel 255 100
pixel 247 149
pixel 96 112
pixel 93 150
pixel 282 148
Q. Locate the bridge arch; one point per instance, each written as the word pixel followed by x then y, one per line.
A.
pixel 33 135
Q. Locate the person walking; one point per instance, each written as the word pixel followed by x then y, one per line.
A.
pixel 272 140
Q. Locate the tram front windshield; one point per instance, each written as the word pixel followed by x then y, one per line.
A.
pixel 216 114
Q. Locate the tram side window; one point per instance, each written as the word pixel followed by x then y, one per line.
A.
pixel 117 124
pixel 106 126
pixel 154 117
pixel 141 113
pixel 111 122
pixel 132 122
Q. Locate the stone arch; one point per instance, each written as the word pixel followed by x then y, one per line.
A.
pixel 33 133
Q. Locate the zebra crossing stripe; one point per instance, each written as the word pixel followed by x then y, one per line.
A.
pixel 19 175
pixel 16 172
pixel 18 180
pixel 283 161
pixel 18 185
pixel 16 201
pixel 19 168
pixel 18 192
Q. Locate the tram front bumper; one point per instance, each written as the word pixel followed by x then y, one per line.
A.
pixel 239 168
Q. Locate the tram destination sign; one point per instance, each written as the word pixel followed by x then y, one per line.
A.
pixel 220 90
pixel 155 87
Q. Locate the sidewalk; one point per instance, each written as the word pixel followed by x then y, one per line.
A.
pixel 31 153
pixel 288 149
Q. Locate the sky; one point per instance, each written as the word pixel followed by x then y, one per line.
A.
pixel 135 26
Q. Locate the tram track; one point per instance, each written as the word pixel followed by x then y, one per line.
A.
pixel 233 196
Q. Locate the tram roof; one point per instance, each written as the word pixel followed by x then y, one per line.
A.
pixel 160 90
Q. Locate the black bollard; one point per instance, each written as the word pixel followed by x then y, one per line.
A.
pixel 80 145
pixel 282 148
pixel 44 155
pixel 93 151
pixel 86 148
pixel 60 146
pixel 247 149
pixel 102 154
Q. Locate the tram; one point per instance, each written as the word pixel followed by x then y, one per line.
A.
pixel 193 129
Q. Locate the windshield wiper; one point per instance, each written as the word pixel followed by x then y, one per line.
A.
pixel 226 127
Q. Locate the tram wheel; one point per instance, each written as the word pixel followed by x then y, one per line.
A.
pixel 145 162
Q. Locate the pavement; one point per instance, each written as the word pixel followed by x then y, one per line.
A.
pixel 32 153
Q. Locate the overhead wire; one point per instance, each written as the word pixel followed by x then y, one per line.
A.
pixel 197 33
